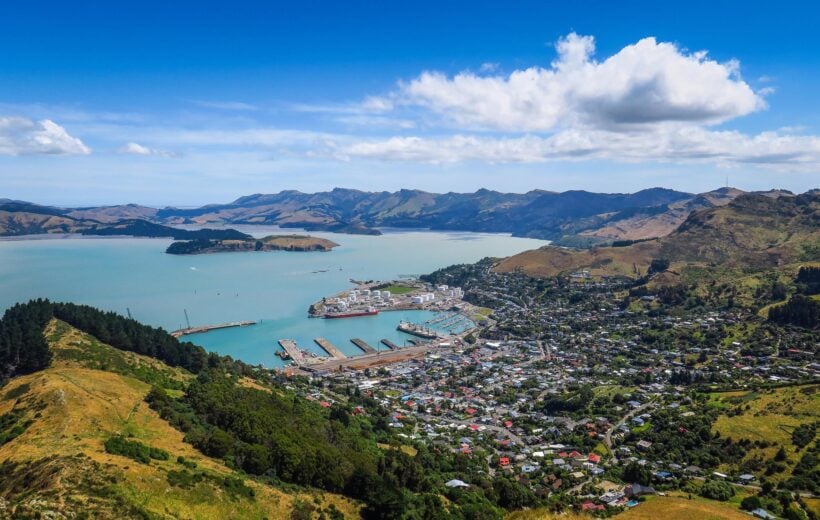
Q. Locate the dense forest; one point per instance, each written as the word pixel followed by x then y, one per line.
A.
pixel 23 349
pixel 800 310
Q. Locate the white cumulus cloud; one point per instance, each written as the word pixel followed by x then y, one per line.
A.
pixel 644 83
pixel 24 136
pixel 138 149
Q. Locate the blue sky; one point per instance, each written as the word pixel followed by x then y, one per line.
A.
pixel 197 102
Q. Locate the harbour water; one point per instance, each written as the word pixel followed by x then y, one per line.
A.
pixel 274 288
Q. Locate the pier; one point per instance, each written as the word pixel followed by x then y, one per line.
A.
pixel 330 348
pixel 389 344
pixel 293 352
pixel 207 328
pixel 363 345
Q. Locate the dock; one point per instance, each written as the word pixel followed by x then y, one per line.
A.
pixel 207 328
pixel 293 351
pixel 330 348
pixel 363 345
pixel 389 344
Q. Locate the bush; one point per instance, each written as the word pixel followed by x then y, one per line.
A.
pixel 750 503
pixel 717 490
pixel 119 445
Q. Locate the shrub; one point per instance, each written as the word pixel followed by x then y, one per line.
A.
pixel 119 445
pixel 717 490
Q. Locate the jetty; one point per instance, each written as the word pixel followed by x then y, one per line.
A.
pixel 330 348
pixel 363 345
pixel 293 352
pixel 389 344
pixel 208 328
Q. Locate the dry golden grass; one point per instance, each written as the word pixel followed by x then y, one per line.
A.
pixel 75 409
pixel 541 514
pixel 772 416
pixel 680 508
pixel 550 261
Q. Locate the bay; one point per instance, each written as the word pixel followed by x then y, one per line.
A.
pixel 134 274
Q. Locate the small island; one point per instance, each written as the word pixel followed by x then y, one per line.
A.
pixel 270 243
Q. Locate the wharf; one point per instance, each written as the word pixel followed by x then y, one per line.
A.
pixel 207 328
pixel 330 348
pixel 363 345
pixel 296 355
pixel 389 344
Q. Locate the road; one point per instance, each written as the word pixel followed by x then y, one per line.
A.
pixel 608 434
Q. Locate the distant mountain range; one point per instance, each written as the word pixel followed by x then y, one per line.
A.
pixel 576 218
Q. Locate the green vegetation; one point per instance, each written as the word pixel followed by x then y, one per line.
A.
pixel 285 437
pixel 399 289
pixel 119 445
pixel 13 424
pixel 800 310
pixel 24 349
pixel 71 346
pixel 235 487
pixel 717 490
pixel 269 243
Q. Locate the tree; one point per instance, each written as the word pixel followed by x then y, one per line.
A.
pixel 717 490
pixel 750 503
pixel 636 474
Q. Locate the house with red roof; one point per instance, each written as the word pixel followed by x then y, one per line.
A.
pixel 594 458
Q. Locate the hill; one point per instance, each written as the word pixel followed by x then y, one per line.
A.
pixel 59 462
pixel 753 232
pixel 302 243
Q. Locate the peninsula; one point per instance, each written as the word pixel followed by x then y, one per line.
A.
pixel 269 243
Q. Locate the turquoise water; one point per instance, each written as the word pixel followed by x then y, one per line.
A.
pixel 276 287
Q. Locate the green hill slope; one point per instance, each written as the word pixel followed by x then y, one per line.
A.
pixel 54 426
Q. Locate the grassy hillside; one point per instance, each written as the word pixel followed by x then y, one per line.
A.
pixel 753 232
pixel 682 508
pixel 772 416
pixel 54 461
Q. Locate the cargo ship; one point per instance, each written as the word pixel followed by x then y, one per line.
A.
pixel 351 314
pixel 417 330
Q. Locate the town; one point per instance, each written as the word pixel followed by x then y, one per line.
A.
pixel 575 388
